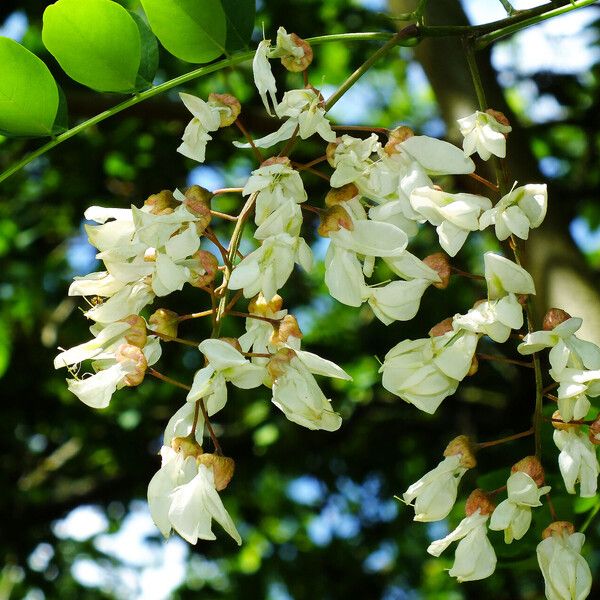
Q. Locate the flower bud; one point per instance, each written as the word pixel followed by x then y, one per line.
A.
pixel 222 468
pixel 500 117
pixel 228 102
pixel 558 528
pixel 478 500
pixel 397 136
pixel 187 446
pixel 295 64
pixel 162 203
pixel 197 201
pixel 276 160
pixel 204 268
pixel 234 342
pixel 164 321
pixel 554 317
pixel 259 306
pixel 150 255
pixel 136 335
pixel 330 150
pixel 594 433
pixel 523 299
pixel 474 366
pixel 333 219
pixel 530 465
pixel 558 423
pixel 126 353
pixel 341 194
pixel 287 327
pixel 442 327
pixel 279 361
pixel 440 263
pixel 464 446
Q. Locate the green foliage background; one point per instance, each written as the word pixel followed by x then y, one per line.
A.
pixel 345 536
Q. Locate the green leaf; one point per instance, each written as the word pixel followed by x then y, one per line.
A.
pixel 149 58
pixel 28 93
pixel 240 16
pixel 5 346
pixel 192 30
pixel 96 42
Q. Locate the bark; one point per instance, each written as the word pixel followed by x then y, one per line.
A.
pixel 563 278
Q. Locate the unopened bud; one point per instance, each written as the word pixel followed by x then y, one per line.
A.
pixel 341 194
pixel 558 528
pixel 442 327
pixel 234 342
pixel 230 103
pixel 463 446
pixel 330 150
pixel 204 268
pixel 287 327
pixel 135 360
pixel 333 219
pixel 295 64
pixel 276 160
pixel 440 263
pixel 259 305
pixel 222 468
pixel 197 201
pixel 554 317
pixel 523 299
pixel 474 366
pixel 478 500
pixel 531 466
pixel 558 423
pixel 164 321
pixel 136 335
pixel 162 203
pixel 186 446
pixel 279 362
pixel 499 116
pixel 594 433
pixel 397 136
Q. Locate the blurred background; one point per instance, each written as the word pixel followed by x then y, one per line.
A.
pixel 315 509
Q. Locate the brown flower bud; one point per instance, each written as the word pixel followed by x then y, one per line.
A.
pixel 187 446
pixel 499 116
pixel 136 335
pixel 234 342
pixel 279 361
pixel 333 219
pixel 440 263
pixel 478 500
pixel 162 203
pixel 287 327
pixel 134 358
pixel 532 466
pixel 523 299
pixel 558 528
pixel 474 366
pixel 197 201
pixel 558 423
pixel 442 327
pixel 259 305
pixel 465 447
pixel 231 103
pixel 222 468
pixel 554 317
pixel 203 269
pixel 397 136
pixel 164 321
pixel 330 150
pixel 341 194
pixel 594 433
pixel 276 160
pixel 295 64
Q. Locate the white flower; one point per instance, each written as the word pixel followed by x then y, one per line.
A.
pixel 424 372
pixel 454 215
pixel 474 557
pixel 436 157
pixel 129 300
pixel 296 392
pixel 504 276
pixel 182 496
pixel 577 461
pixel 484 135
pixel 263 76
pixel 408 266
pixel 522 209
pixel 268 268
pixel 494 318
pixel 566 574
pixel 207 117
pixel 396 301
pixel 513 515
pixel 435 493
